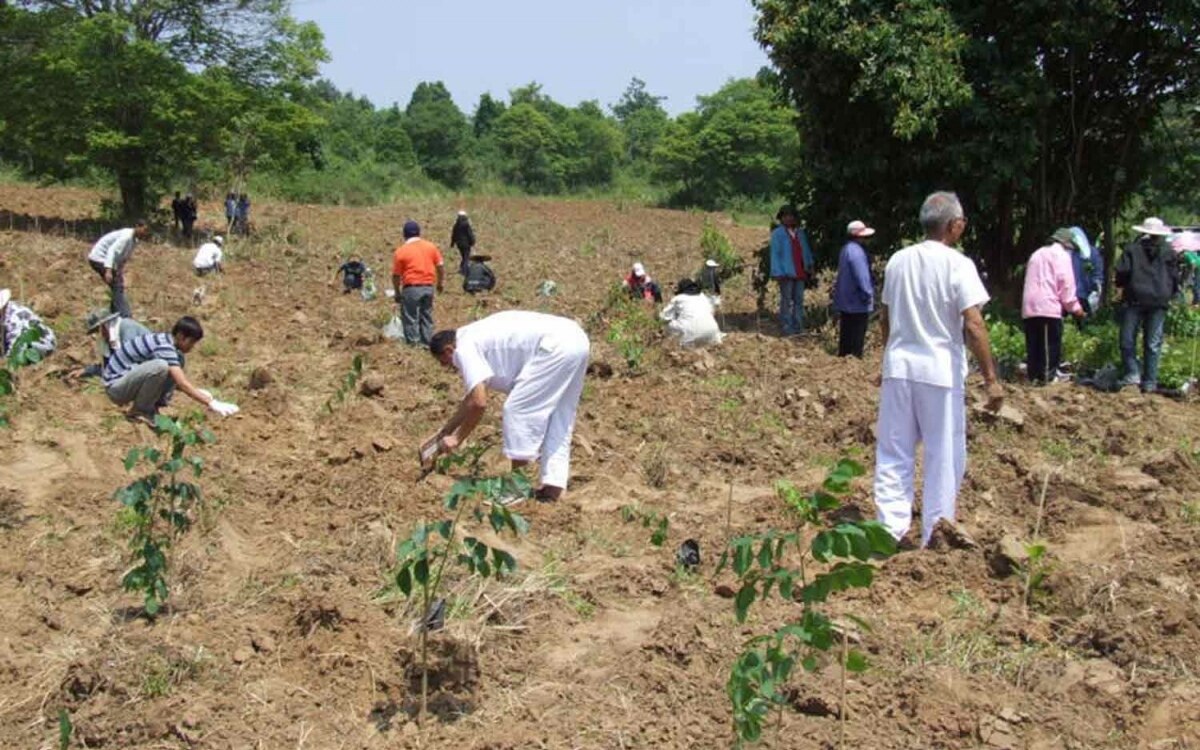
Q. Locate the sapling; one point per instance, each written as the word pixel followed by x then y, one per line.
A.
pixel 784 561
pixel 421 559
pixel 160 504
pixel 648 519
pixel 348 382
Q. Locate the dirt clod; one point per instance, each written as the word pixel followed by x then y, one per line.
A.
pixel 371 386
pixel 260 378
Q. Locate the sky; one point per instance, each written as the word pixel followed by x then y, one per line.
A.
pixel 382 49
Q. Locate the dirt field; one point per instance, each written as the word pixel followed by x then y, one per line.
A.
pixel 274 637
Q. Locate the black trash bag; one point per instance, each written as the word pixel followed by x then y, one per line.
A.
pixel 434 619
pixel 688 555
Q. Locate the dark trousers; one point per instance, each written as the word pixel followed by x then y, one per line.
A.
pixel 1043 348
pixel 119 304
pixel 852 334
pixel 465 252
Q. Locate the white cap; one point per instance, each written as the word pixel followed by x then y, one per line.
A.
pixel 1153 226
pixel 219 240
pixel 711 263
pixel 639 269
pixel 5 296
pixel 462 213
pixel 857 228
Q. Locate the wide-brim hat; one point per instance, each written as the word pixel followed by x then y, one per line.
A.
pixel 857 228
pixel 219 240
pixel 712 263
pixel 480 258
pixel 5 296
pixel 99 317
pixel 1154 227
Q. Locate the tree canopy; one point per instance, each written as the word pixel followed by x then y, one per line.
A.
pixel 1037 113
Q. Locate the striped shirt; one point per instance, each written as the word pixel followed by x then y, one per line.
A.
pixel 135 351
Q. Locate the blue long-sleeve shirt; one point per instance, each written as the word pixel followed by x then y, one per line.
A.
pixel 853 291
pixel 782 265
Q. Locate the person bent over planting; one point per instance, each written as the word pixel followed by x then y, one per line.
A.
pixel 539 360
pixel 931 302
pixel 108 258
pixel 144 371
pixel 15 320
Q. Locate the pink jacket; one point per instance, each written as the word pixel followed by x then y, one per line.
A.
pixel 1049 284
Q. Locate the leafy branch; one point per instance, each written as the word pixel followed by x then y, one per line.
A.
pixel 22 353
pixel 347 385
pixel 648 519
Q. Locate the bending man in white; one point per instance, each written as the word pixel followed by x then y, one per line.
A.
pixel 689 315
pixel 539 361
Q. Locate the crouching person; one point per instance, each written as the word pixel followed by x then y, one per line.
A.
pixel 15 321
pixel 539 361
pixel 689 316
pixel 144 371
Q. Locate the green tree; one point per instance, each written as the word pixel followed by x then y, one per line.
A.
pixel 643 120
pixel 1038 113
pixel 741 141
pixel 439 132
pixel 144 90
pixel 486 113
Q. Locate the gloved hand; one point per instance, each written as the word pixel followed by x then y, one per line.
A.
pixel 1093 301
pixel 207 394
pixel 222 408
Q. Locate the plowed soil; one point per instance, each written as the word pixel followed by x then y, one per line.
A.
pixel 275 637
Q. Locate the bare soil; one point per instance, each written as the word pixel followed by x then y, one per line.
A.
pixel 274 637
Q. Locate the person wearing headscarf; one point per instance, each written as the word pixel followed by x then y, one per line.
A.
pixel 1049 292
pixel 15 320
pixel 689 316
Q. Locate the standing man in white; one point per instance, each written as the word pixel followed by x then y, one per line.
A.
pixel 931 303
pixel 540 361
pixel 108 258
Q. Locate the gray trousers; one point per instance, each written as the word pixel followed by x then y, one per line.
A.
pixel 147 386
pixel 120 304
pixel 416 312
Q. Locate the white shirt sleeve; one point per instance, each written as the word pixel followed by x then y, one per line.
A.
pixel 968 287
pixel 474 368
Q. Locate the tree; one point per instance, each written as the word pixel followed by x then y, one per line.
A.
pixel 1038 113
pixel 643 120
pixel 741 141
pixel 439 133
pixel 142 89
pixel 486 113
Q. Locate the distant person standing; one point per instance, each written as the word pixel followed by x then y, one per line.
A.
pixel 417 267
pixel 108 258
pixel 792 266
pixel 462 237
pixel 177 210
pixel 1049 291
pixel 1149 277
pixel 188 215
pixel 231 212
pixel 853 291
pixel 209 257
pixel 243 213
pixel 930 304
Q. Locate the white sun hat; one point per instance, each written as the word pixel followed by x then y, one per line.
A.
pixel 5 296
pixel 1154 227
pixel 857 228
pixel 639 269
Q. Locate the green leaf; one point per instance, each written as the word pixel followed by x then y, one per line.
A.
pixel 660 532
pixel 421 571
pixel 810 663
pixel 743 600
pixel 404 580
pixel 855 662
pixel 131 458
pixel 65 729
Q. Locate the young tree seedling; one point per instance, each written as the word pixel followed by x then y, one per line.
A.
pixel 20 354
pixel 160 504
pixel 346 387
pixel 421 559
pixel 784 561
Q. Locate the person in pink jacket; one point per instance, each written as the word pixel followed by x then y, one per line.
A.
pixel 1049 292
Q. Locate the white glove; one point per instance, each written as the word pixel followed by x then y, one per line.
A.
pixel 222 408
pixel 1093 301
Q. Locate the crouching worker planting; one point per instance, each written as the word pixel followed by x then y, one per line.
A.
pixel 539 361
pixel 144 372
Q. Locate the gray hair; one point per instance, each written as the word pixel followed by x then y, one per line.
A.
pixel 938 210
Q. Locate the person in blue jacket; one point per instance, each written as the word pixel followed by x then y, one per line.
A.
pixel 793 267
pixel 1088 264
pixel 854 291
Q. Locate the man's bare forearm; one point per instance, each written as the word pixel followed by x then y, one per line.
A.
pixel 979 344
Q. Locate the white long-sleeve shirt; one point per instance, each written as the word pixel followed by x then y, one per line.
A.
pixel 207 256
pixel 691 317
pixel 114 249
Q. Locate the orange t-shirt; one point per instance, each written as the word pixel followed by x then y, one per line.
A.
pixel 416 263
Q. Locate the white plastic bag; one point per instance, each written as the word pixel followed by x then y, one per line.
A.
pixel 394 329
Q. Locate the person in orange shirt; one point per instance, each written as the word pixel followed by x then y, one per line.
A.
pixel 416 267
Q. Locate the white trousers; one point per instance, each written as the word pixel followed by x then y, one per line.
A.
pixel 912 413
pixel 539 413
